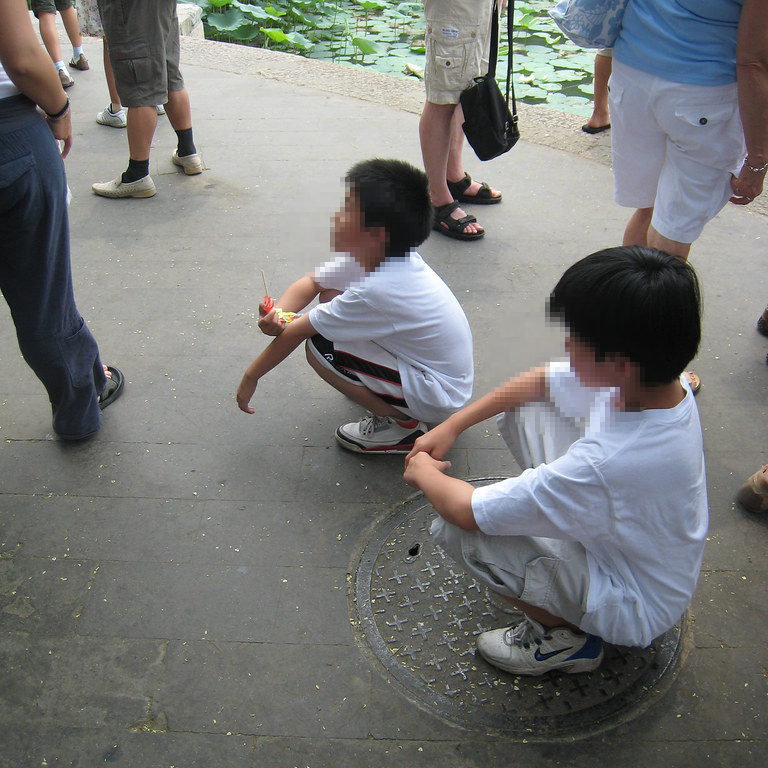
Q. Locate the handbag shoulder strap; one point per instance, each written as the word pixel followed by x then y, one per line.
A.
pixel 510 86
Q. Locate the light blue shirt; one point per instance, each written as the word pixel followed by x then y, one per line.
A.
pixel 685 41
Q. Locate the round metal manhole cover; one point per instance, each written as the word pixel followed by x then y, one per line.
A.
pixel 419 614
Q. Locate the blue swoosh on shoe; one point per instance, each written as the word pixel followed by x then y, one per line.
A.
pixel 539 656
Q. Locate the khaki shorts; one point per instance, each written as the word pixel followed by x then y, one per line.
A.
pixel 143 42
pixel 49 6
pixel 458 40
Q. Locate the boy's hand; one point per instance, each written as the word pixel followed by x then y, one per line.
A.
pixel 245 393
pixel 437 442
pixel 419 463
pixel 269 323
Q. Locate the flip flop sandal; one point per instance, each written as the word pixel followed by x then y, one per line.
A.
pixel 591 130
pixel 113 388
pixel 694 382
pixel 484 195
pixel 454 227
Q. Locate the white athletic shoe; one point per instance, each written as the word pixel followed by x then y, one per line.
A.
pixel 530 649
pixel 192 164
pixel 113 119
pixel 160 109
pixel 116 188
pixel 379 434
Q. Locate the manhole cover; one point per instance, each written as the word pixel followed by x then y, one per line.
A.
pixel 420 613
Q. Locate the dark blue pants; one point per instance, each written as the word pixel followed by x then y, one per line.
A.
pixel 35 275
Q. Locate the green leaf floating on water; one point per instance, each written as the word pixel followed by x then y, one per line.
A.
pixel 228 21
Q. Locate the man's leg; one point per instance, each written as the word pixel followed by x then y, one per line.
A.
pixel 636 231
pixel 455 168
pixel 50 36
pixel 69 17
pixel 36 281
pixel 435 134
pixel 672 247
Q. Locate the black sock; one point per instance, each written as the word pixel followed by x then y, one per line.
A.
pixel 137 169
pixel 186 145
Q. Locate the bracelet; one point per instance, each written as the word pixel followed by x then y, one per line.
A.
pixel 754 168
pixel 60 113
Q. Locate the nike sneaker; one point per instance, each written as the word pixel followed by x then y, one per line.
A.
pixel 530 649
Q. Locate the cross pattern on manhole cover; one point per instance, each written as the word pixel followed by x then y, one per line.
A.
pixel 421 614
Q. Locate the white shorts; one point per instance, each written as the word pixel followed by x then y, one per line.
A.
pixel 458 41
pixel 675 147
pixel 552 574
pixel 364 364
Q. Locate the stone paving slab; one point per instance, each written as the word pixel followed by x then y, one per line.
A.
pixel 169 287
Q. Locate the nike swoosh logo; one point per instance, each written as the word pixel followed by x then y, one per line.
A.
pixel 539 656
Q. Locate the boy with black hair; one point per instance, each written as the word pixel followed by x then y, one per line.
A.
pixel 388 333
pixel 602 536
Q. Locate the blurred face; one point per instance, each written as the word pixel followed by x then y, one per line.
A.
pixel 350 235
pixel 610 372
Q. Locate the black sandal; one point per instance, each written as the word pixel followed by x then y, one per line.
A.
pixel 447 225
pixel 113 388
pixel 484 195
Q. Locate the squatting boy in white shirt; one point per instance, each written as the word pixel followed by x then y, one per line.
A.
pixel 602 536
pixel 388 333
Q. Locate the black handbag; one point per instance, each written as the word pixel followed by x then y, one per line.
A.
pixel 490 128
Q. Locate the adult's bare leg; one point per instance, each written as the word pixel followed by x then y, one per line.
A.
pixel 114 96
pixel 69 17
pixel 49 35
pixel 435 136
pixel 178 110
pixel 600 115
pixel 142 122
pixel 636 231
pixel 455 168
pixel 672 247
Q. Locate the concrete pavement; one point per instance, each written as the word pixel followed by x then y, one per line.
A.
pixel 174 592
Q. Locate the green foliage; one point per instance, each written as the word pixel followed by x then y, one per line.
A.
pixel 388 35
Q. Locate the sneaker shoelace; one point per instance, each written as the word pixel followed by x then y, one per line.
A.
pixel 526 632
pixel 372 423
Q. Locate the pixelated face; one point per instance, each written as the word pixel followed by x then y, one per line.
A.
pixel 590 371
pixel 347 226
pixel 349 233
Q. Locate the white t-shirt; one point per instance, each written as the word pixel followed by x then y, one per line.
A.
pixel 404 307
pixel 632 491
pixel 7 88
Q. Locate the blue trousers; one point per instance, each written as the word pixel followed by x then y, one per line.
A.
pixel 35 273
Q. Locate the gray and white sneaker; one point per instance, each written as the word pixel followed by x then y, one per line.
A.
pixel 65 78
pixel 113 119
pixel 379 434
pixel 160 109
pixel 530 649
pixel 144 187
pixel 192 164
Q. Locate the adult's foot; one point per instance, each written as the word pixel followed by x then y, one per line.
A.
pixel 466 190
pixel 113 388
pixel 753 495
pixel 117 188
pixel 762 323
pixel 452 221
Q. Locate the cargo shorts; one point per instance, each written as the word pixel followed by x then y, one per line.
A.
pixel 49 6
pixel 143 42
pixel 458 41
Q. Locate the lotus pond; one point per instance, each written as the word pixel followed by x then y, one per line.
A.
pixel 388 36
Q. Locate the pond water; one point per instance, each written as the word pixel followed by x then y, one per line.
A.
pixel 548 68
pixel 388 36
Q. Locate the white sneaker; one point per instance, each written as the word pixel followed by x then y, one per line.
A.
pixel 116 188
pixel 530 649
pixel 379 434
pixel 192 164
pixel 65 78
pixel 160 109
pixel 114 119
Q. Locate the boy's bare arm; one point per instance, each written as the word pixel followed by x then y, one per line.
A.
pixel 282 346
pixel 524 388
pixel 451 497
